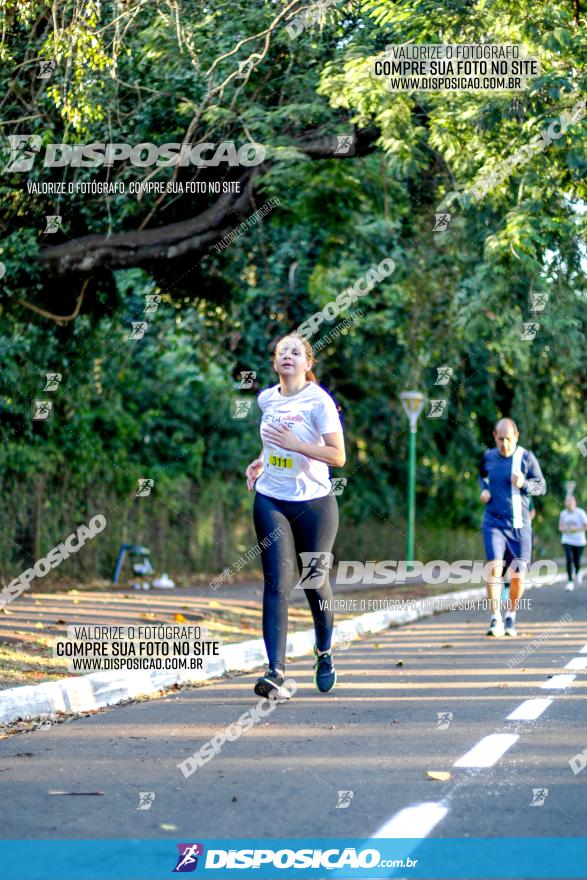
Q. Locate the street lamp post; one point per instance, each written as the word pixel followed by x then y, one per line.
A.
pixel 412 402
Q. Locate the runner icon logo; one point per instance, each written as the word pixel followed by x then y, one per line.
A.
pixel 437 409
pixel 344 799
pixel 241 407
pixel 53 222
pixel 145 487
pixel 444 719
pixel 247 379
pixel 338 485
pixel 441 222
pixel 539 795
pixel 53 380
pixel 146 799
pixel 344 144
pixel 46 68
pixel 315 570
pixel 444 375
pixel 187 859
pixel 539 301
pixel 41 410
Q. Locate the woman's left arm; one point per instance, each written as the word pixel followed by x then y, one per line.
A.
pixel 332 453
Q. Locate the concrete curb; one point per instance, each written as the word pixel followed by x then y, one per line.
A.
pixel 87 692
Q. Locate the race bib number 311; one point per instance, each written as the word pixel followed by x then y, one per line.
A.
pixel 280 462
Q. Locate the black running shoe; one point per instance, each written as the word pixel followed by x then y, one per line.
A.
pixel 324 671
pixel 271 687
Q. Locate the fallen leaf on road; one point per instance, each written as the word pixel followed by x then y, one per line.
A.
pixel 39 625
pixel 438 775
pixel 168 827
pixel 61 621
pixel 148 615
pixel 447 646
pixel 180 618
pixel 214 604
pixel 400 663
pixel 376 645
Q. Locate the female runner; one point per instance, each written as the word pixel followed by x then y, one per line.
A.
pixel 302 435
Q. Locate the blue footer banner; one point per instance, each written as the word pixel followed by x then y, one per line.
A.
pixel 273 858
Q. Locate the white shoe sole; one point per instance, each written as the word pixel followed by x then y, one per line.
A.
pixel 277 694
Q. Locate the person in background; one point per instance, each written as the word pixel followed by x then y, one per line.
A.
pixel 572 524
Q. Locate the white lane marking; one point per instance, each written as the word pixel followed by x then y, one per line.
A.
pixel 413 821
pixel 583 650
pixel 488 750
pixel 530 710
pixel 577 663
pixel 557 682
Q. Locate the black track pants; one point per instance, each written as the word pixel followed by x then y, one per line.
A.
pixel 573 555
pixel 297 527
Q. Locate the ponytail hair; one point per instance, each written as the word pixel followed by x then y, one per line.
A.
pixel 310 377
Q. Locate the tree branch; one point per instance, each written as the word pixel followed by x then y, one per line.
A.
pixel 96 254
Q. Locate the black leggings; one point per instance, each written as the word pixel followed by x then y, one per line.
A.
pixel 573 555
pixel 284 530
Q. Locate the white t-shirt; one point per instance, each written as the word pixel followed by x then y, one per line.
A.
pixel 291 476
pixel 573 519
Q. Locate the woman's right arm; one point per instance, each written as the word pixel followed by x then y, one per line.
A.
pixel 254 470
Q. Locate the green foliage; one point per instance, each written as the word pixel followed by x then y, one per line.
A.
pixel 159 407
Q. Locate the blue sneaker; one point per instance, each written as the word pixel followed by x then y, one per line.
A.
pixel 324 671
pixel 510 627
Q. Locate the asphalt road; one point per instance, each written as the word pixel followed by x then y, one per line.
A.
pixel 376 735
